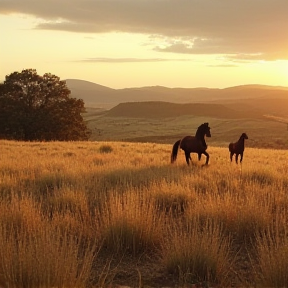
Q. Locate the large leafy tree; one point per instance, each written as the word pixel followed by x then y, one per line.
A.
pixel 34 107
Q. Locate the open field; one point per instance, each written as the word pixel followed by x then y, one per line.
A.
pixel 262 132
pixel 97 214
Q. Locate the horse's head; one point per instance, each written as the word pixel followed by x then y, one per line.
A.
pixel 207 129
pixel 244 136
pixel 203 130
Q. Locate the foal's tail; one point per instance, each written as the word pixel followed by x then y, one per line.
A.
pixel 175 151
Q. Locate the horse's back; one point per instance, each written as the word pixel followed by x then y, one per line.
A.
pixel 188 139
pixel 192 144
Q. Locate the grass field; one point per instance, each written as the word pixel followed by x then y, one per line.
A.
pixel 97 214
pixel 263 132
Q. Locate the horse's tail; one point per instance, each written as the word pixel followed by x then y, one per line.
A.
pixel 175 151
pixel 231 147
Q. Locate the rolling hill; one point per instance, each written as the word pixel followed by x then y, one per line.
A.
pixel 98 96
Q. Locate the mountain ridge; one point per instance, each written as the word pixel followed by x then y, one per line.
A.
pixel 99 96
pixel 72 81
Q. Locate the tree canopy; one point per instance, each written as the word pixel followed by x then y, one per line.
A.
pixel 34 107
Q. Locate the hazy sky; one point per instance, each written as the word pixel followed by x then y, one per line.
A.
pixel 133 43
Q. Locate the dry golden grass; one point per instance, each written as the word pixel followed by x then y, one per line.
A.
pixel 80 214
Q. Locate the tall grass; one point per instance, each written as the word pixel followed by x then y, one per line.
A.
pixel 272 253
pixel 130 225
pixel 68 210
pixel 36 252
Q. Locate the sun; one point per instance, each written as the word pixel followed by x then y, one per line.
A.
pixel 274 73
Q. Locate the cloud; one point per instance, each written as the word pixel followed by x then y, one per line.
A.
pixel 224 65
pixel 130 60
pixel 234 27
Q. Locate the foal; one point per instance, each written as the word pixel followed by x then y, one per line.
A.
pixel 238 148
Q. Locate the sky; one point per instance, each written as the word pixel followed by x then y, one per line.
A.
pixel 136 43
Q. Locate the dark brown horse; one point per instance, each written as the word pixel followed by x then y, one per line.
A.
pixel 237 148
pixel 193 144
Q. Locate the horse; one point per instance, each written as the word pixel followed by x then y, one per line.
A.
pixel 193 144
pixel 237 148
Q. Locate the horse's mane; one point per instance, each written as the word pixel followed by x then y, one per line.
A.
pixel 202 130
pixel 200 133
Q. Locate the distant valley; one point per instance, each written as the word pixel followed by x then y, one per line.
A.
pixel 161 114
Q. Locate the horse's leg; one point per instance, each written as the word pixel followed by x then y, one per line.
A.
pixel 187 155
pixel 199 156
pixel 207 157
pixel 231 156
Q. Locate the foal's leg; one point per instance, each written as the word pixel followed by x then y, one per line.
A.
pixel 237 158
pixel 188 157
pixel 241 157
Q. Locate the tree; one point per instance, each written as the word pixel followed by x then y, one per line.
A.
pixel 34 107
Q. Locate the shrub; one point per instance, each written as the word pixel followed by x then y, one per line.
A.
pixel 105 149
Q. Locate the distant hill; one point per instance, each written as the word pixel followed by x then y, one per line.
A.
pixel 82 85
pixel 234 102
pixel 95 95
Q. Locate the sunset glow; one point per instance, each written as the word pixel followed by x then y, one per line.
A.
pixel 147 43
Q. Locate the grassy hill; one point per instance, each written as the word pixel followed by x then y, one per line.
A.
pixel 156 109
pixel 162 122
pixel 262 133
